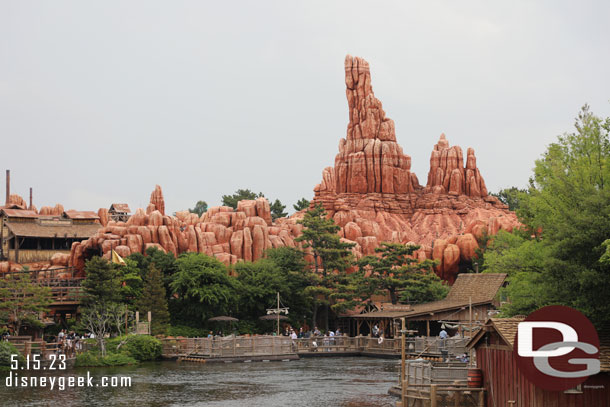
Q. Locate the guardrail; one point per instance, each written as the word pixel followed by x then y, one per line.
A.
pixel 219 347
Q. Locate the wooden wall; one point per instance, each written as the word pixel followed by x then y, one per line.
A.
pixel 505 383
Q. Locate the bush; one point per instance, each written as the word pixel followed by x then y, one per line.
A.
pixel 6 350
pixel 93 358
pixel 139 347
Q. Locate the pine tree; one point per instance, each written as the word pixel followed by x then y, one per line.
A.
pixel 153 300
pixel 277 210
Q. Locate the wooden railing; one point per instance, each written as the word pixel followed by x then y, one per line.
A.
pixel 26 346
pixel 228 346
pixel 65 286
pixel 271 345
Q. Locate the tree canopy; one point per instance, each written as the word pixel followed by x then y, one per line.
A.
pixel 200 208
pixel 301 204
pixel 240 195
pixel 559 258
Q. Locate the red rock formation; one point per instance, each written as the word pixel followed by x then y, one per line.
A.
pixel 15 199
pixel 371 194
pixel 57 210
pixel 156 199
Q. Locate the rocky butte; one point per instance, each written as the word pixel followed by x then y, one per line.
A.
pixel 370 192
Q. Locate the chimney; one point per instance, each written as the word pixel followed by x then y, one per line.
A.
pixel 30 198
pixel 8 185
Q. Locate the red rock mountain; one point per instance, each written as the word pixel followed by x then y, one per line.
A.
pixel 371 194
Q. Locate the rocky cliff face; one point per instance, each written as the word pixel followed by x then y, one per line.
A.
pixel 371 194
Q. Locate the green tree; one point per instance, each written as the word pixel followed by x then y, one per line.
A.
pixel 301 204
pixel 22 301
pixel 131 285
pixel 200 208
pixel 329 253
pixel 566 213
pixel 394 270
pixel 423 285
pixel 164 262
pixel 510 196
pixel 102 283
pixel 240 195
pixel 277 210
pixel 203 289
pixel 154 299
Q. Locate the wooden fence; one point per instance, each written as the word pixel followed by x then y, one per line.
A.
pixel 220 347
pixel 273 345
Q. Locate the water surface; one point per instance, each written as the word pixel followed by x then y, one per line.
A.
pixel 342 381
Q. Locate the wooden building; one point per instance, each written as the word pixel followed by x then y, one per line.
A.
pixel 119 212
pixel 473 297
pixel 28 237
pixel 506 386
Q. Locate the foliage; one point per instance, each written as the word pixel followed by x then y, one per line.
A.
pixel 301 205
pixel 393 270
pixel 277 210
pixel 333 255
pixel 154 299
pixel 560 260
pixel 510 196
pixel 240 195
pixel 320 235
pixel 22 301
pixel 282 271
pixel 94 358
pixel 164 262
pixel 203 288
pixel 200 208
pixel 423 286
pixel 6 350
pixel 103 319
pixel 187 331
pixel 130 278
pixel 138 347
pixel 102 284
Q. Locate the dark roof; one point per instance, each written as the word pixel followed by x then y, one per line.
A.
pixel 19 213
pixel 72 214
pixel 120 207
pixel 480 288
pixel 34 229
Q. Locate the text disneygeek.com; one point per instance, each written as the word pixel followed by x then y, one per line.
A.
pixel 63 382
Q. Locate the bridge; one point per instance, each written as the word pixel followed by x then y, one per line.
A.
pixel 64 283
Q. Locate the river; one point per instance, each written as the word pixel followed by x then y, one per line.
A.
pixel 312 382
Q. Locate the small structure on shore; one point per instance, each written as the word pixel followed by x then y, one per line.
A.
pixel 119 212
pixel 506 385
pixel 472 298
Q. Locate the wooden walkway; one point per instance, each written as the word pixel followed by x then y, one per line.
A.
pixel 251 348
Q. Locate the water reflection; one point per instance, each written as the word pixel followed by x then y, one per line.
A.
pixel 348 382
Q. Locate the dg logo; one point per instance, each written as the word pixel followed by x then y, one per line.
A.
pixel 557 348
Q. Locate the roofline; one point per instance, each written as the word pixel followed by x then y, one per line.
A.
pixel 408 314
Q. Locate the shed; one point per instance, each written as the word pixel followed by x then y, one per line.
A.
pixel 506 386
pixel 119 212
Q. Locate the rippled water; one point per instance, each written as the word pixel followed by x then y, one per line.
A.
pixel 347 382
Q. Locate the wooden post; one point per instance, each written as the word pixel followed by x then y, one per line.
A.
pixel 470 329
pixel 278 313
pixel 433 395
pixel 481 398
pixel 149 322
pixel 405 391
pixel 402 351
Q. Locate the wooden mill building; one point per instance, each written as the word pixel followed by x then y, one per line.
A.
pixel 472 295
pixel 119 212
pixel 29 237
pixel 505 385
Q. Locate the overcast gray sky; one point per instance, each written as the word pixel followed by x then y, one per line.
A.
pixel 100 101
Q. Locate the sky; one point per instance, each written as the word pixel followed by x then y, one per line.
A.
pixel 101 101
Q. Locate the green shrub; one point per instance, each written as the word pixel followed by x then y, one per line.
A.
pixel 6 350
pixel 93 358
pixel 139 347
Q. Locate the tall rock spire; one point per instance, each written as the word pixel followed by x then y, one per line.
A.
pixel 369 158
pixel 448 175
